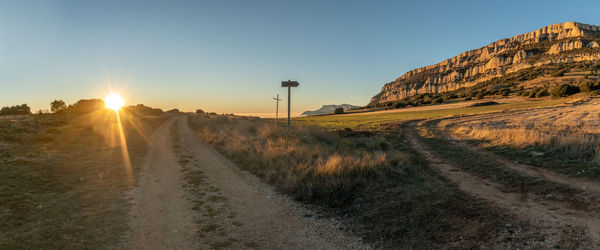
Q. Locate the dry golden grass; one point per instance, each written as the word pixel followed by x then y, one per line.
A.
pixel 310 162
pixel 63 179
pixel 570 132
pixel 377 183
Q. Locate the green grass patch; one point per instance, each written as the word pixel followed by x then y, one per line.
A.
pixel 372 121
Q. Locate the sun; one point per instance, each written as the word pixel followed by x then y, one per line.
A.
pixel 114 101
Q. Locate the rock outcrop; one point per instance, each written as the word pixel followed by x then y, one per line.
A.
pixel 547 45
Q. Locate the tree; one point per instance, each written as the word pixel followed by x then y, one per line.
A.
pixel 58 106
pixel 86 106
pixel 23 109
pixel 563 90
pixel 339 110
pixel 199 111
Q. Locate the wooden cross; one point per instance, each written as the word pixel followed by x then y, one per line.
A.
pixel 277 100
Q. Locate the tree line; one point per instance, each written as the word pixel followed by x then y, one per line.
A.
pixel 83 106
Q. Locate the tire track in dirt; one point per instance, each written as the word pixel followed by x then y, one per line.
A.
pixel 552 216
pixel 161 218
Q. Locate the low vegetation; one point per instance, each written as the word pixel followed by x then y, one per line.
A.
pixel 64 180
pixel 23 109
pixel 373 179
pixel 563 139
pixel 372 121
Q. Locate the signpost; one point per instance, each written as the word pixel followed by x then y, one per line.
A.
pixel 289 84
pixel 277 100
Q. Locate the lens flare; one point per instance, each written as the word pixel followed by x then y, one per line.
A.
pixel 114 101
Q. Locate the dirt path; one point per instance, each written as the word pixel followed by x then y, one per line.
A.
pixel 192 197
pixel 161 218
pixel 554 217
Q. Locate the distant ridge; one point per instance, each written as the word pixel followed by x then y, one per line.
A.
pixel 328 109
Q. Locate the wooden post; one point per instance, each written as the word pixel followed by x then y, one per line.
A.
pixel 289 84
pixel 277 100
pixel 289 104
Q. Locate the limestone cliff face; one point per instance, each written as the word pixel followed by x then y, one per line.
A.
pixel 543 46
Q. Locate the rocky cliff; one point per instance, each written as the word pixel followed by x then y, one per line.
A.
pixel 557 43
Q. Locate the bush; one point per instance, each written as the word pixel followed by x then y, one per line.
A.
pixel 585 86
pixel 504 92
pixel 143 109
pixel 199 111
pixel 437 100
pixel 58 106
pixel 560 72
pixel 339 110
pixel 589 85
pixel 85 106
pixel 563 90
pixel 541 93
pixel 22 109
pixel 175 111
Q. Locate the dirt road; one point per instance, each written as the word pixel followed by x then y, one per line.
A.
pixel 189 196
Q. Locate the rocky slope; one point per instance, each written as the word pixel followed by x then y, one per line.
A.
pixel 328 109
pixel 557 43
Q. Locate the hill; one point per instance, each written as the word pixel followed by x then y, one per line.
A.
pixel 567 43
pixel 328 109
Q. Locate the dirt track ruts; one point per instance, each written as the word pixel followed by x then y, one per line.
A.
pixel 548 214
pixel 163 219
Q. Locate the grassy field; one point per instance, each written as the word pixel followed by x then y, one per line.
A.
pixel 372 121
pixel 63 179
pixel 564 139
pixel 375 183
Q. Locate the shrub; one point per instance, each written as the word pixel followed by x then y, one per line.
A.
pixel 589 85
pixel 437 100
pixel 400 105
pixel 339 110
pixel 560 72
pixel 541 93
pixel 199 111
pixel 85 106
pixel 525 93
pixel 22 109
pixel 143 109
pixel 585 86
pixel 563 90
pixel 173 111
pixel 58 106
pixel 504 92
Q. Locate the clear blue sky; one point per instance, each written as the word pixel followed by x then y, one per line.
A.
pixel 230 56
